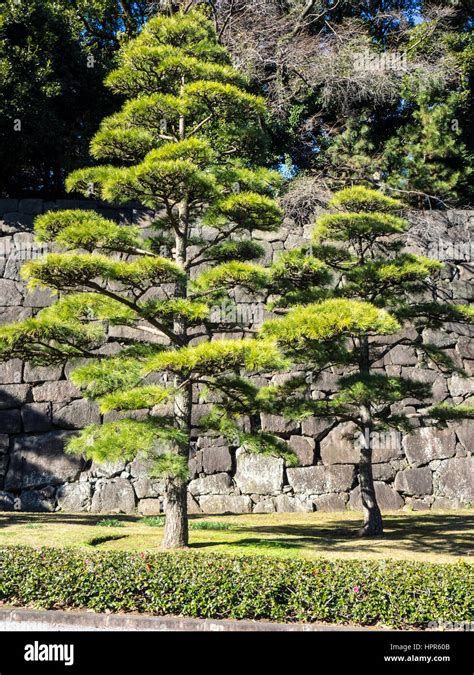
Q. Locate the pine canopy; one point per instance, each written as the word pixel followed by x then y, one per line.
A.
pixel 351 287
pixel 183 144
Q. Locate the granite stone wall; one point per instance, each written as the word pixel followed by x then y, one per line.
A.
pixel 40 408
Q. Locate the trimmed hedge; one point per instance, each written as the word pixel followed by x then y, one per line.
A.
pixel 390 592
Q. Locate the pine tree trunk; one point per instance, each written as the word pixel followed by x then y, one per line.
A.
pixel 176 523
pixel 373 525
pixel 176 492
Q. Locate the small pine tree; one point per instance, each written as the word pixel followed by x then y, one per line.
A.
pixel 183 144
pixel 428 157
pixel 340 296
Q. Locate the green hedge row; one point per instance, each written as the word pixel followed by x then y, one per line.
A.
pixel 393 593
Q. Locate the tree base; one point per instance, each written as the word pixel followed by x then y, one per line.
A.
pixel 164 547
pixel 370 530
pixel 175 535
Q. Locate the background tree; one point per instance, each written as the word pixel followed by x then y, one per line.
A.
pixel 183 141
pixel 431 154
pixel 339 297
pixel 351 85
pixel 54 55
pixel 52 96
pixel 108 21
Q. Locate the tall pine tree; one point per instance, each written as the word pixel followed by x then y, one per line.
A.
pixel 183 144
pixel 340 297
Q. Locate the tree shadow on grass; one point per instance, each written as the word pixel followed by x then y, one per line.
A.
pixel 405 533
pixel 38 519
pixel 97 541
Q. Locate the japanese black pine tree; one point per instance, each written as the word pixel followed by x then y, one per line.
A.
pixel 184 144
pixel 339 297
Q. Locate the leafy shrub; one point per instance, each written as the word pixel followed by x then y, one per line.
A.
pixel 109 522
pixel 390 592
pixel 209 525
pixel 153 521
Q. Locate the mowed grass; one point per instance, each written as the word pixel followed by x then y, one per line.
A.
pixel 427 536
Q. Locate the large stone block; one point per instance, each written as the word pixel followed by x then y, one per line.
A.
pixel 113 496
pixel 265 506
pixel 321 479
pixel 330 502
pixel 38 500
pixel 41 373
pixel 199 410
pixel 460 386
pixel 414 481
pixel 9 293
pixel 149 487
pixel 387 498
pixel 13 395
pixel 277 424
pixel 216 459
pixel 225 504
pixel 216 484
pixel 386 445
pixel 465 347
pixel 465 433
pixel 439 338
pixel 74 497
pixel 10 315
pixel 210 441
pixel 7 501
pixel 76 415
pixel 341 445
pixel 8 205
pixel 3 465
pixel 140 467
pixel 303 447
pixel 428 443
pixel 36 417
pixel 39 460
pixel 195 464
pixel 314 427
pixel 56 392
pixel 149 507
pixel 108 469
pixel 385 471
pixel 11 371
pixel 455 479
pixel 258 474
pixel 402 355
pixel 10 421
pixel 287 504
pixel 445 504
pixel 39 297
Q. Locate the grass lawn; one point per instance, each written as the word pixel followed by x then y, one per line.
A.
pixel 427 536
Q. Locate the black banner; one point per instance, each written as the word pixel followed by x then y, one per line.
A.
pixel 161 652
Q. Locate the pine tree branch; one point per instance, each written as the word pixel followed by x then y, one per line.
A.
pixel 200 125
pixel 175 339
pixel 222 236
